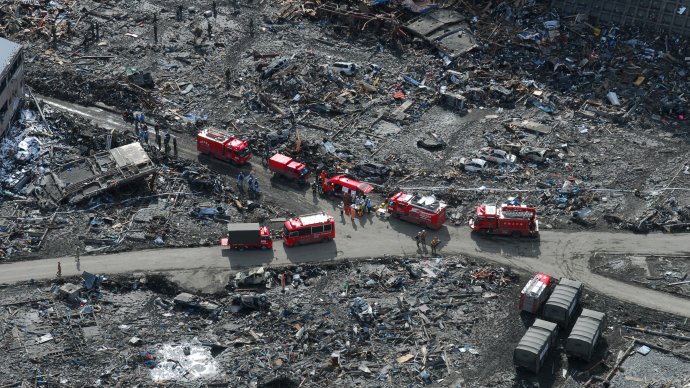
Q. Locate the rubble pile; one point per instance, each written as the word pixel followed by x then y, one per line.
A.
pixel 404 321
pixel 544 105
pixel 662 273
pixel 441 321
pixel 159 213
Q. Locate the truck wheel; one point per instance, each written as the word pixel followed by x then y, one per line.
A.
pixel 516 234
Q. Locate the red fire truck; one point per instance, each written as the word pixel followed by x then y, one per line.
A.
pixel 308 229
pixel 535 293
pixel 247 235
pixel 223 146
pixel 423 210
pixel 506 220
pixel 341 185
pixel 289 168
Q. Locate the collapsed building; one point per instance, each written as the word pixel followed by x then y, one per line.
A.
pixel 11 82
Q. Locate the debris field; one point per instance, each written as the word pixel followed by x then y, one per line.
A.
pixel 383 322
pixel 474 102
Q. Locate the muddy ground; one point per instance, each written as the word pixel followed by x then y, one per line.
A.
pixel 661 273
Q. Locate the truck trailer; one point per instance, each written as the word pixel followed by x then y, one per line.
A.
pixel 562 304
pixel 585 334
pixel 247 235
pixel 535 345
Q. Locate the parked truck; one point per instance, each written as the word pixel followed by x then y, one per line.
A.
pixel 585 334
pixel 223 146
pixel 289 168
pixel 535 293
pixel 424 210
pixel 562 304
pixel 535 345
pixel 247 235
pixel 506 220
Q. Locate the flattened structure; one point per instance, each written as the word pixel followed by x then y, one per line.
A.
pixel 444 29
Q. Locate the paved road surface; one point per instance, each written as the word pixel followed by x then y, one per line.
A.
pixel 557 253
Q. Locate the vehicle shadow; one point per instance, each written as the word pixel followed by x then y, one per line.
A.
pixel 312 252
pixel 248 257
pixel 281 183
pixel 512 246
pixel 222 167
pixel 411 230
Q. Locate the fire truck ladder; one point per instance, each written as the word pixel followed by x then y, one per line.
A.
pixel 517 215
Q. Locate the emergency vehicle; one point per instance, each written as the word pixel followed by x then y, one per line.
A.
pixel 308 229
pixel 424 210
pixel 289 168
pixel 342 186
pixel 223 146
pixel 506 220
pixel 535 293
pixel 247 235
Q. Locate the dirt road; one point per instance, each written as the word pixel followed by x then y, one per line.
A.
pixel 557 253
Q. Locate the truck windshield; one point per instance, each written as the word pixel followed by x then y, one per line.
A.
pixel 286 231
pixel 303 171
pixel 244 152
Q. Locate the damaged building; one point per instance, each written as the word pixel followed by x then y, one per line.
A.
pixel 11 82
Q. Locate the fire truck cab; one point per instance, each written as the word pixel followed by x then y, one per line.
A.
pixel 342 186
pixel 223 146
pixel 506 220
pixel 309 229
pixel 423 210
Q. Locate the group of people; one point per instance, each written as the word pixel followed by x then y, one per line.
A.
pixel 142 132
pixel 421 241
pixel 355 206
pixel 252 184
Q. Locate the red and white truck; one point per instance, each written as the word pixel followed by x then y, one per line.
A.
pixel 289 168
pixel 309 229
pixel 535 293
pixel 223 146
pixel 342 186
pixel 247 235
pixel 506 220
pixel 423 210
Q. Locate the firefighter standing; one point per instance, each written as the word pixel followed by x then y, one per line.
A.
pixel 313 188
pixel 435 242
pixel 240 180
pixel 418 238
pixel 175 145
pixel 423 238
pixel 59 271
pixel 256 188
pixel 76 258
pixel 158 139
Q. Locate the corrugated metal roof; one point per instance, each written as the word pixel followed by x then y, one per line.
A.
pixel 564 293
pixel 586 327
pixel 536 336
pixel 8 50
